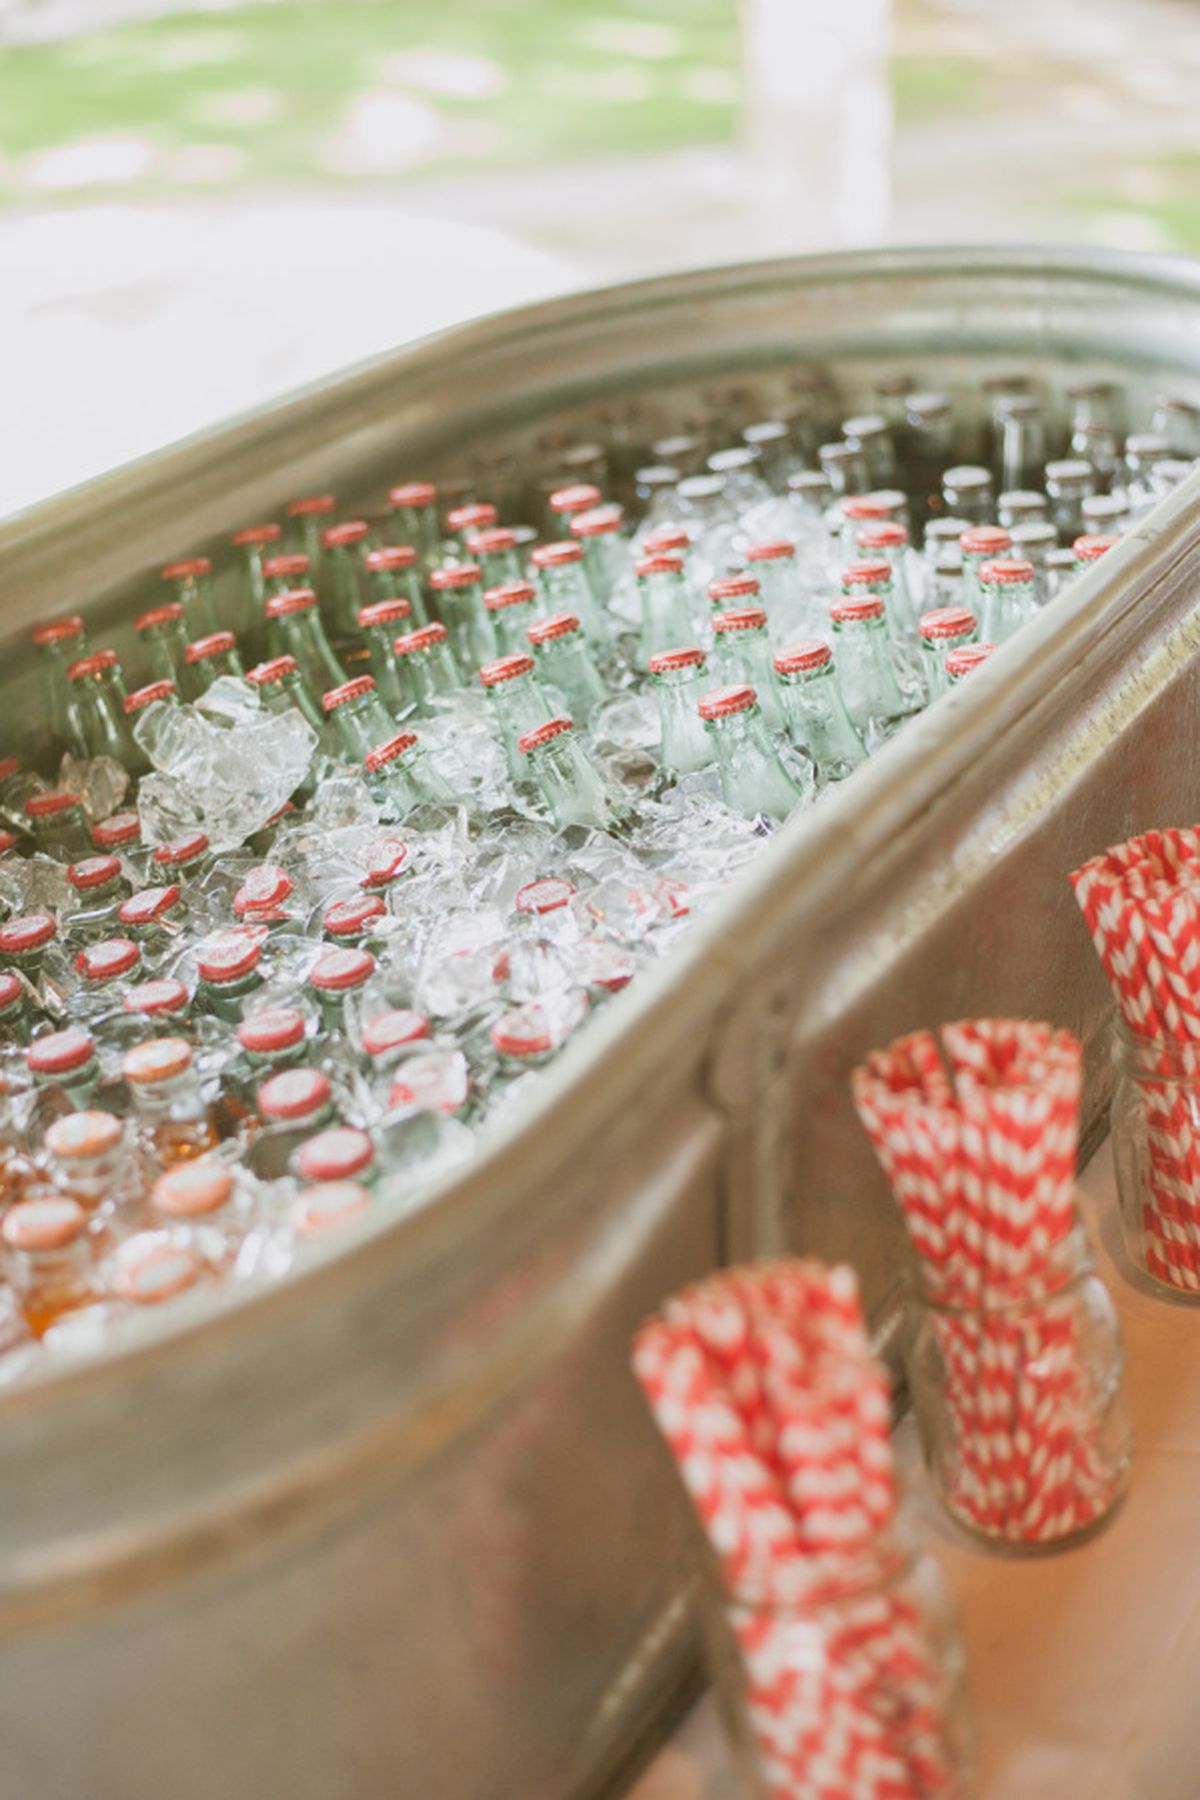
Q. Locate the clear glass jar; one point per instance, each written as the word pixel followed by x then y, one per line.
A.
pixel 817 1673
pixel 1020 1401
pixel 1155 1122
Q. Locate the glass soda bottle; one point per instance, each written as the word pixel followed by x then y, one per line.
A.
pixel 497 555
pixel 665 605
pixel 742 654
pixel 754 781
pixel 1010 600
pixel 256 543
pixel 162 633
pixel 605 551
pixel 415 520
pixel 96 709
pixel 566 587
pixel 191 581
pixel 401 776
pixel 816 718
pixel 59 643
pixel 513 608
pixel 428 665
pixel 378 624
pixel 680 679
pixel 208 659
pixel 458 588
pixel 49 1257
pixel 302 634
pixel 518 703
pixel 168 1102
pixel 360 717
pixel 571 785
pixel 306 521
pixel 392 572
pixel 868 681
pixel 979 545
pixel 564 663
pixel 943 629
pixel 343 576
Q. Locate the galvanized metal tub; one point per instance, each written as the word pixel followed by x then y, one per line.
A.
pixel 401 1527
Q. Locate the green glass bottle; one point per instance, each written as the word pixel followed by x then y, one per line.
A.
pixel 208 659
pixel 162 633
pixel 401 775
pixel 566 588
pixel 343 576
pixel 754 781
pixel 680 680
pixel 868 681
pixel 59 643
pixel 415 521
pixel 379 623
pixel 458 591
pixel 462 522
pixel 427 665
pixel 191 584
pixel 943 629
pixel 393 571
pixel 601 531
pixel 256 543
pixel 960 663
pixel 281 685
pixel 518 702
pixel 571 785
pixel 58 825
pixel 665 606
pixel 566 503
pixel 742 656
pixel 1009 590
pixel 816 718
pixel 306 520
pixel 513 608
pixel 498 557
pixel 980 544
pixel 565 664
pixel 359 716
pixel 888 541
pixel 96 722
pixel 298 620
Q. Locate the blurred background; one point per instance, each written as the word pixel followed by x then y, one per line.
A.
pixel 204 204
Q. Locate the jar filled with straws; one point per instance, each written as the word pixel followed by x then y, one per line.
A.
pixel 1141 903
pixel 1015 1360
pixel 832 1636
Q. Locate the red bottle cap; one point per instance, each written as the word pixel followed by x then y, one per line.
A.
pixel 292 600
pixel 558 625
pixel 265 673
pixel 544 896
pixel 104 962
pixel 151 904
pixel 9 766
pixel 722 701
pixel 600 521
pixel 192 1189
pixel 189 570
pixel 888 536
pixel 781 550
pixel 10 989
pixel 741 618
pixel 60 1051
pixel 145 696
pixel 57 631
pixel 92 665
pixel 870 572
pixel 274 1028
pixel 863 506
pixel 349 690
pixel 391 1030
pixel 733 587
pixel 294 1094
pixel 382 754
pixel 384 612
pixel 1088 548
pixel 229 957
pixel 477 516
pixel 160 615
pixel 505 668
pixel 667 540
pixel 856 612
pixel 522 1032
pixel 457 576
pixel 181 850
pixel 391 556
pixel 556 556
pixel 436 1080
pixel 157 1274
pixel 29 932
pixel 79 1136
pixel 543 734
pixel 811 653
pixel 47 806
pixel 335 1155
pixel 312 504
pixel 491 543
pixel 337 971
pixel 291 562
pixel 264 888
pixel 945 622
pixel 510 593
pixel 581 497
pixel 967 657
pixel 985 540
pixel 121 828
pixel 47 1224
pixel 662 562
pixel 216 644
pixel 346 918
pixel 159 1059
pixel 93 872
pixel 165 996
pixel 251 535
pixel 687 657
pixel 352 532
pixel 413 493
pixel 423 638
pixel 384 860
pixel 1007 571
pixel 328 1208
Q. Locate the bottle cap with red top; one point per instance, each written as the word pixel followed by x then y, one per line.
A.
pixel 967 657
pixel 32 931
pixel 389 558
pixel 284 566
pixel 49 1223
pixel 478 515
pixel 80 1136
pixel 349 690
pixel 945 622
pixel 544 734
pixel 332 1206
pixel 868 572
pixel 93 872
pixel 733 587
pixel 151 906
pixel 265 888
pixel 160 615
pixel 215 644
pixel 158 1272
pixel 1007 571
pixel 667 540
pixel 384 860
pixel 384 612
pixel 779 550
pixel 347 918
pixel 544 896
pixel 274 1028
pixel 392 1030
pixel 740 618
pixel 158 1059
pixel 557 556
pixel 60 1052
pixel 191 569
pixel 492 542
pixel 661 562
pixel 721 702
pixel 193 1189
pixel 251 535
pixel 811 653
pixel 187 848
pixel 858 611
pixel 598 521
pixel 154 997
pixel 383 754
pixel 1088 548
pixel 457 575
pixel 578 498
pixel 312 505
pixel 338 1154
pixel 294 1094
pixel 277 668
pixel 857 507
pixel 523 1032
pixel 985 540
pixel 424 638
pixel 58 631
pixel 121 828
pixel 544 631
pixel 108 960
pixel 337 971
pixel 510 593
pixel 11 990
pixel 688 656
pixel 413 493
pixel 146 696
pixel 505 668
pixel 353 531
pixel 94 664
pixel 436 1080
pixel 292 600
pixel 888 536
pixel 229 957
pixel 48 806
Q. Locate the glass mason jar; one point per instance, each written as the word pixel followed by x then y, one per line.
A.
pixel 814 1672
pixel 1156 1148
pixel 1019 1398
